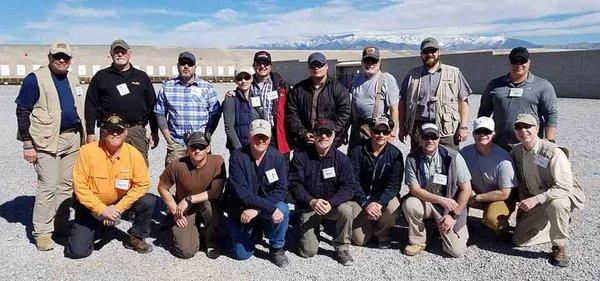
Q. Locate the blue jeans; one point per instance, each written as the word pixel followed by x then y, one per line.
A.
pixel 244 236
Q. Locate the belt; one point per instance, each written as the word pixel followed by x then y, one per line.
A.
pixel 69 130
pixel 143 124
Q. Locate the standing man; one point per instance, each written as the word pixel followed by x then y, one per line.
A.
pixel 317 97
pixel 440 186
pixel 121 89
pixel 379 167
pixel 493 176
pixel 50 122
pixel 111 182
pixel 374 93
pixel 548 191
pixel 517 92
pixel 198 178
pixel 434 93
pixel 254 195
pixel 186 104
pixel 323 185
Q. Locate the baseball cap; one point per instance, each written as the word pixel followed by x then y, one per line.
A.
pixel 119 43
pixel 197 139
pixel 262 56
pixel 371 52
pixel 526 118
pixel 61 47
pixel 430 42
pixel 484 122
pixel 260 127
pixel 381 121
pixel 317 57
pixel 429 128
pixel 113 122
pixel 187 55
pixel 241 73
pixel 324 125
pixel 518 55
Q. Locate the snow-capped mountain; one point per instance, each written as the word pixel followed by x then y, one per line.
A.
pixel 394 42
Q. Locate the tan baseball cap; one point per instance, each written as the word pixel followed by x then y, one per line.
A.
pixel 260 127
pixel 526 119
pixel 61 47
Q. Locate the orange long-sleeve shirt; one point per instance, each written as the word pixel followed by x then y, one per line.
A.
pixel 100 181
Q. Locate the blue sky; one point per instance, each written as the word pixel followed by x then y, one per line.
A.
pixel 224 24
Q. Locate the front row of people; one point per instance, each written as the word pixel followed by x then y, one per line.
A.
pixel 359 193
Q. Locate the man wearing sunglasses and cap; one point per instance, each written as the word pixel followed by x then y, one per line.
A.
pixel 379 167
pixel 184 104
pixel 320 96
pixel 50 120
pixel 434 93
pixel 548 191
pixel 492 176
pixel 111 182
pixel 517 92
pixel 323 185
pixel 439 183
pixel 199 178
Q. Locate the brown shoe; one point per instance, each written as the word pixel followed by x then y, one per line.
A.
pixel 559 256
pixel 44 243
pixel 414 249
pixel 137 244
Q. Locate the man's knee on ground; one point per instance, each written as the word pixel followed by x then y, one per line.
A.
pixel 77 251
pixel 184 253
pixel 307 251
pixel 456 251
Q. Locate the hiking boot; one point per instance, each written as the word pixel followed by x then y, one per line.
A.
pixel 559 256
pixel 344 257
pixel 386 244
pixel 414 249
pixel 213 253
pixel 278 257
pixel 137 244
pixel 44 243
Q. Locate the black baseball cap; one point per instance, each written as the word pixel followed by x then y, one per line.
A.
pixel 324 126
pixel 188 56
pixel 263 56
pixel 197 139
pixel 519 55
pixel 113 122
pixel 317 57
pixel 371 52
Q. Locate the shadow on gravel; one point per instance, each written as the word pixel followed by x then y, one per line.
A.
pixel 20 210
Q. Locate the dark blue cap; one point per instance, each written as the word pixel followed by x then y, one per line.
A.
pixel 317 57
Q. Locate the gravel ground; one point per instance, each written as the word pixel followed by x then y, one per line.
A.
pixel 486 258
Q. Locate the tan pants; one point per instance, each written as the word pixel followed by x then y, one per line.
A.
pixel 363 229
pixel 495 214
pixel 174 152
pixel 548 222
pixel 55 186
pixel 136 136
pixel 186 240
pixel 415 211
pixel 310 228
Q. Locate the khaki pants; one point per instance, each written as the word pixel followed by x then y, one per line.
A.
pixel 55 186
pixel 136 136
pixel 363 229
pixel 548 222
pixel 416 211
pixel 310 228
pixel 186 240
pixel 495 214
pixel 174 152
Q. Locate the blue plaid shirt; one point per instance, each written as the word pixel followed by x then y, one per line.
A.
pixel 261 90
pixel 188 108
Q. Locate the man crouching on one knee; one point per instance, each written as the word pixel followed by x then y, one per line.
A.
pixel 440 185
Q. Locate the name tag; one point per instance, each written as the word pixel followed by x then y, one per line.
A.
pixel 196 91
pixel 541 161
pixel 123 89
pixel 440 179
pixel 329 173
pixel 79 90
pixel 515 92
pixel 272 95
pixel 122 184
pixel 256 102
pixel 272 176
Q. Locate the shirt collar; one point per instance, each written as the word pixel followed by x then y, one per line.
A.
pixel 178 80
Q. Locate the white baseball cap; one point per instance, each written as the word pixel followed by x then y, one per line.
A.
pixel 484 122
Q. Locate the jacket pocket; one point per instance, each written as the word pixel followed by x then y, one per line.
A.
pixel 41 129
pixel 449 123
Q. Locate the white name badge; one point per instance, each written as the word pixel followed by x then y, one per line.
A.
pixel 196 91
pixel 272 176
pixel 123 89
pixel 329 173
pixel 515 92
pixel 440 179
pixel 272 95
pixel 541 160
pixel 79 90
pixel 256 102
pixel 122 184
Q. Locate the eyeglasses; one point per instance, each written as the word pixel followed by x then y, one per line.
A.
pixel 482 131
pixel 316 65
pixel 430 137
pixel 243 76
pixel 325 132
pixel 370 60
pixel 379 132
pixel 189 63
pixel 119 51
pixel 429 51
pixel 520 126
pixel 59 56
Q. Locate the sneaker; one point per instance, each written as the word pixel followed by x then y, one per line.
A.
pixel 137 244
pixel 414 249
pixel 344 257
pixel 213 253
pixel 386 244
pixel 278 257
pixel 559 256
pixel 44 243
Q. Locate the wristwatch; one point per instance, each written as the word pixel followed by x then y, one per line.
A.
pixel 454 215
pixel 188 199
pixel 463 127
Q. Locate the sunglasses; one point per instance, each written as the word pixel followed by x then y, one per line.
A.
pixel 316 65
pixel 262 62
pixel 244 76
pixel 429 51
pixel 59 56
pixel 189 63
pixel 482 131
pixel 520 126
pixel 119 51
pixel 370 61
pixel 325 132
pixel 198 146
pixel 379 132
pixel 115 131
pixel 519 61
pixel 430 137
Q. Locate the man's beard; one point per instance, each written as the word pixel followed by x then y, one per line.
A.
pixel 431 64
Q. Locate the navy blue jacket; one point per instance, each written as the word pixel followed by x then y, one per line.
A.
pixel 380 177
pixel 307 182
pixel 248 186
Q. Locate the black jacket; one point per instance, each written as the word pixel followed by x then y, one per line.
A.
pixel 333 104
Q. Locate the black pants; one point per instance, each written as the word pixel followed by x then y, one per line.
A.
pixel 85 226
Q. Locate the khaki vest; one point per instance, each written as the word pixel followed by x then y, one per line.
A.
pixel 445 98
pixel 45 117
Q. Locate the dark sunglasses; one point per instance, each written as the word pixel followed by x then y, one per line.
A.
pixel 430 137
pixel 378 132
pixel 244 76
pixel 326 132
pixel 262 62
pixel 429 51
pixel 59 56
pixel 115 131
pixel 316 65
pixel 370 60
pixel 198 146
pixel 482 131
pixel 519 61
pixel 189 63
pixel 520 126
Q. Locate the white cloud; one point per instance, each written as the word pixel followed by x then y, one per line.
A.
pixel 65 10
